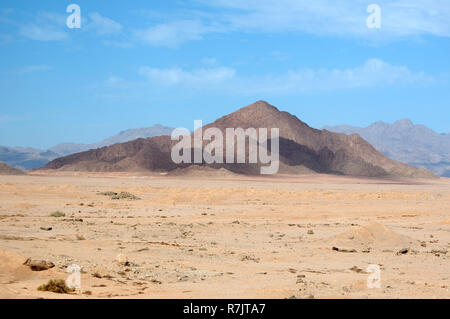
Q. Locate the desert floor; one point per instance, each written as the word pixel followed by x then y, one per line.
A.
pixel 235 237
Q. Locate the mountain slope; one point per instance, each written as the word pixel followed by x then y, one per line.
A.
pixel 403 141
pixel 25 158
pixel 302 149
pixel 7 170
pixel 30 158
pixel 124 136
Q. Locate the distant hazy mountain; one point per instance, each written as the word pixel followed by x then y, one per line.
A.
pixel 8 170
pixel 25 158
pixel 124 136
pixel 29 158
pixel 403 141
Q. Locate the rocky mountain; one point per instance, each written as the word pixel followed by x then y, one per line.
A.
pixel 26 158
pixel 302 149
pixel 30 158
pixel 403 141
pixel 8 170
pixel 124 136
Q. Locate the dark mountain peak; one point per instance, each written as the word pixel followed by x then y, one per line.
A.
pixel 260 114
pixel 259 107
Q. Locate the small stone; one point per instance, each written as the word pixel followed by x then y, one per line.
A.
pixel 38 265
pixel 403 251
pixel 121 259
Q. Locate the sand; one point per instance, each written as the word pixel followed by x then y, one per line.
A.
pixel 232 237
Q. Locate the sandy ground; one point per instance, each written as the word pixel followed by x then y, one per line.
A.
pixel 226 238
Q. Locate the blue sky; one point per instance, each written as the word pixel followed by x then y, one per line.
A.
pixel 137 63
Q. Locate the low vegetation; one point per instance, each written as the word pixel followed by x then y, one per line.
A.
pixel 57 214
pixel 121 195
pixel 58 286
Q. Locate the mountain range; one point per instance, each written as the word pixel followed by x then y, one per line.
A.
pixel 302 149
pixel 8 170
pixel 406 142
pixel 31 158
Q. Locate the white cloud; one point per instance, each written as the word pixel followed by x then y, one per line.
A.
pixel 32 68
pixel 42 33
pixel 199 78
pixel 209 62
pixel 173 34
pixel 401 18
pixel 330 17
pixel 373 73
pixel 47 26
pixel 50 26
pixel 103 25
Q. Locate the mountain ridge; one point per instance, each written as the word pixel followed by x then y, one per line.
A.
pixel 407 142
pixel 31 158
pixel 301 147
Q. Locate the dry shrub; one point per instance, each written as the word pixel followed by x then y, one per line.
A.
pixel 57 286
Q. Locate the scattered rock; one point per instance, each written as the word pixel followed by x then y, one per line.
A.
pixel 46 228
pixel 38 265
pixel 125 195
pixel 310 232
pixel 402 251
pixel 343 250
pixel 250 258
pixel 108 194
pixel 121 259
pixel 438 253
pixel 356 269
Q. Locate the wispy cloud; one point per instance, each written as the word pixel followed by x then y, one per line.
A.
pixel 200 78
pixel 50 26
pixel 329 17
pixel 372 74
pixel 401 18
pixel 173 34
pixel 47 26
pixel 42 33
pixel 102 25
pixel 32 68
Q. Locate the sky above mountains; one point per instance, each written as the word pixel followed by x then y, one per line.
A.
pixel 137 63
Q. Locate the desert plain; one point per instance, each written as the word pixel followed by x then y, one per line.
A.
pixel 225 236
